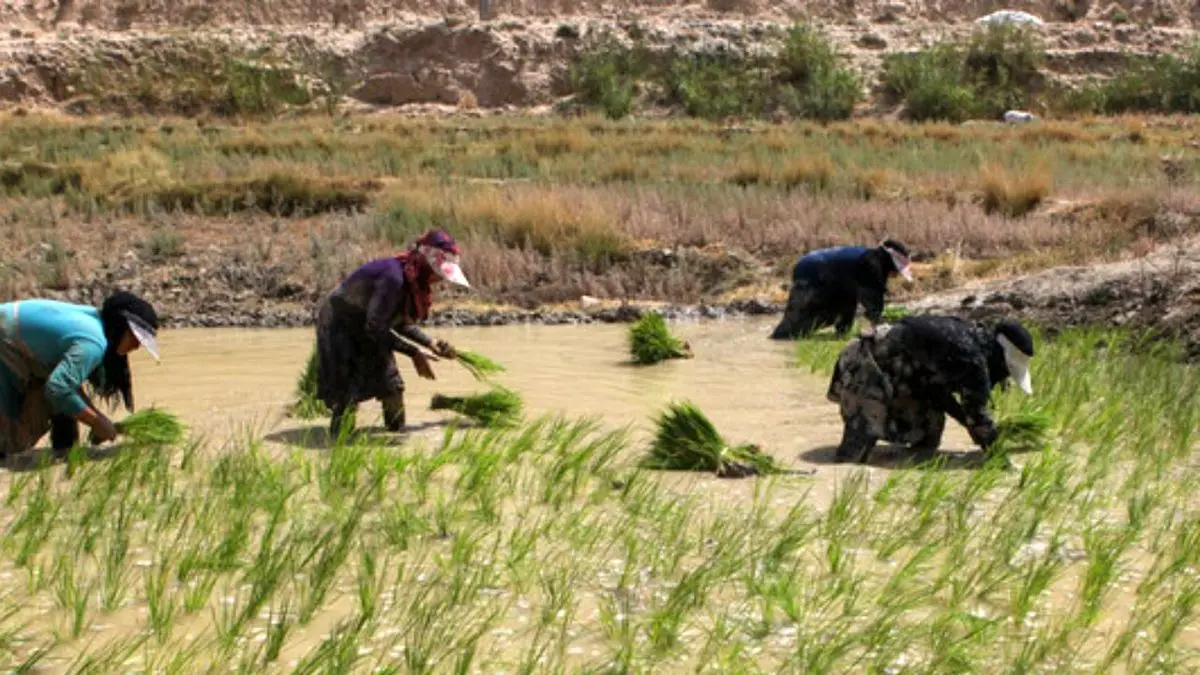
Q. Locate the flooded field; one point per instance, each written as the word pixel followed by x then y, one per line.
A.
pixel 224 381
pixel 541 549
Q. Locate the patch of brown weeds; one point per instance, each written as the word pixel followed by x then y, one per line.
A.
pixel 1014 193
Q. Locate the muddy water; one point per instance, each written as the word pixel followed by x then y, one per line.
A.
pixel 227 382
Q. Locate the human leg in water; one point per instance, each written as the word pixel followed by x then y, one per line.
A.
pixel 394 417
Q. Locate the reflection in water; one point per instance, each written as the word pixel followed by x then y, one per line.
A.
pixel 224 381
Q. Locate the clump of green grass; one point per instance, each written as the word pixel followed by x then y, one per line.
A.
pixel 499 407
pixel 152 427
pixel 895 313
pixel 308 406
pixel 686 440
pixel 1023 432
pixel 651 341
pixel 479 365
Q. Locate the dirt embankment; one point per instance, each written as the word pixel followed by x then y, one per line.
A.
pixel 1159 292
pixel 79 54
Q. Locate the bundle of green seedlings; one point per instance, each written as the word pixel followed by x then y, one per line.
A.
pixel 650 341
pixel 686 440
pixel 1023 432
pixel 500 407
pixel 307 405
pixel 894 313
pixel 152 427
pixel 479 365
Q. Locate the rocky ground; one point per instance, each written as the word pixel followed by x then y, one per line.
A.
pixel 79 58
pixel 1159 292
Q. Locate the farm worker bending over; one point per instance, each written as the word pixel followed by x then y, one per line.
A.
pixel 898 383
pixel 48 349
pixel 355 340
pixel 830 283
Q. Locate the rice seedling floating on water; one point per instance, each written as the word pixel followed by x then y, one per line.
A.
pixel 1023 432
pixel 152 427
pixel 686 440
pixel 650 341
pixel 479 365
pixel 498 407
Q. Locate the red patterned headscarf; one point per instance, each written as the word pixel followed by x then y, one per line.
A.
pixel 435 255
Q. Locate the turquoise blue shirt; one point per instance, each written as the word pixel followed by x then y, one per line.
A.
pixel 68 340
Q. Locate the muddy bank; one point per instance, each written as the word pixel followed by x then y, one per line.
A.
pixel 1159 293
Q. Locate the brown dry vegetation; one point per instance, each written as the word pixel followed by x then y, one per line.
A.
pixel 549 210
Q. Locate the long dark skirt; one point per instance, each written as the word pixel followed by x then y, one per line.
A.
pixel 352 366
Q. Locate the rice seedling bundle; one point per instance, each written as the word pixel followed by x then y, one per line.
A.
pixel 498 407
pixel 307 405
pixel 651 341
pixel 152 427
pixel 686 440
pixel 1023 432
pixel 894 313
pixel 479 365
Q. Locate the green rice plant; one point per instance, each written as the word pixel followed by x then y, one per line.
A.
pixel 479 365
pixel 500 407
pixel 152 427
pixel 1022 432
pixel 894 313
pixel 307 405
pixel 651 341
pixel 686 440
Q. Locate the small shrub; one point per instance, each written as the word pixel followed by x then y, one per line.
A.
pixel 162 244
pixel 1013 194
pixel 812 82
pixel 606 77
pixel 651 341
pixel 686 440
pixel 999 68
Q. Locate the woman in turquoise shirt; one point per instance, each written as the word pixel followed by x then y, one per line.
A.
pixel 49 349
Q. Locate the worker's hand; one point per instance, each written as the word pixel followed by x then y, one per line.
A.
pixel 983 435
pixel 103 430
pixel 444 350
pixel 421 363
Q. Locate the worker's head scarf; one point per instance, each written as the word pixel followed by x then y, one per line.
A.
pixel 123 311
pixel 433 256
pixel 1017 344
pixel 899 255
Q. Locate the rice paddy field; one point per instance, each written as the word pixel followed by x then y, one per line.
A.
pixel 545 547
pixel 546 544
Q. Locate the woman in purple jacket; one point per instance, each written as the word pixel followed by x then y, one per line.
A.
pixel 355 336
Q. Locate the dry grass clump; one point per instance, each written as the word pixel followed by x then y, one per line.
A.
pixel 280 193
pixel 1014 193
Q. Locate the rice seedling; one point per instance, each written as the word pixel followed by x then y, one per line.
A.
pixel 499 407
pixel 307 405
pixel 651 341
pixel 1022 432
pixel 477 364
pixel 152 427
pixel 686 440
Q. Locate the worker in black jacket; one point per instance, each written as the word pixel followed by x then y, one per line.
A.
pixel 899 382
pixel 829 284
